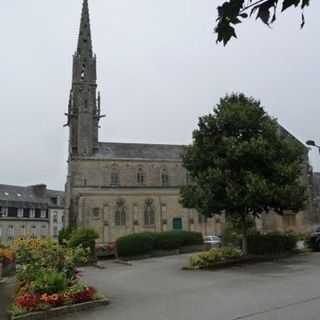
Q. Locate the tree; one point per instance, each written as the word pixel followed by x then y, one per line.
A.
pixel 243 164
pixel 233 12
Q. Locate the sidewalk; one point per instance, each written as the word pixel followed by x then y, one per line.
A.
pixel 6 293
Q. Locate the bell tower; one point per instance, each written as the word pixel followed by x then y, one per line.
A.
pixel 84 102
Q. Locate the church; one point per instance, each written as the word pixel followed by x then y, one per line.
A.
pixel 122 188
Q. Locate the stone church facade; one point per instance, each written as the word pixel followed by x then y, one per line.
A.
pixel 120 188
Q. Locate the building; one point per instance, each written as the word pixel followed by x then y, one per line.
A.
pixel 25 212
pixel 56 212
pixel 120 188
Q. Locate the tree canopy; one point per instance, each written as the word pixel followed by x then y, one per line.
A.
pixel 233 12
pixel 242 163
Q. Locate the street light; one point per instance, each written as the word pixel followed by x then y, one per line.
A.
pixel 311 143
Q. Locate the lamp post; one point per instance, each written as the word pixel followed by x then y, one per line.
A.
pixel 311 143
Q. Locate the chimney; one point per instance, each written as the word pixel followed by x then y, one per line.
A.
pixel 39 190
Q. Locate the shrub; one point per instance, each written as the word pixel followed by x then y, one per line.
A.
pixel 85 238
pixel 65 234
pixel 171 240
pixel 146 242
pixel 135 244
pixel 50 282
pixel 210 258
pixel 272 243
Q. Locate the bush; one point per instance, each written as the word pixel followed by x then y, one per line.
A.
pixel 65 234
pixel 50 282
pixel 146 242
pixel 272 243
pixel 85 238
pixel 210 258
pixel 135 244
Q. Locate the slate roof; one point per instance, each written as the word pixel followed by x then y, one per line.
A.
pixel 24 195
pixel 18 194
pixel 139 151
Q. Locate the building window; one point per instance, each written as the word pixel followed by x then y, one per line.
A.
pixel 43 214
pixel 202 218
pixel 120 214
pixel 22 230
pixel 33 232
pixel 11 232
pixel 140 177
pixel 115 180
pixel 96 213
pixel 164 178
pixel 55 217
pixel 149 215
pixel 4 212
pixel 55 232
pixel 20 212
pixel 32 213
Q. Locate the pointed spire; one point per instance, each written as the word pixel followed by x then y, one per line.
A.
pixel 84 42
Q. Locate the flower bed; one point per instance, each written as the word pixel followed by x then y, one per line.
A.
pixel 47 277
pixel 213 257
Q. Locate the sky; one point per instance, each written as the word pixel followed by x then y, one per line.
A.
pixel 159 70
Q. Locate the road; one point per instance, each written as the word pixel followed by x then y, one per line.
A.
pixel 157 289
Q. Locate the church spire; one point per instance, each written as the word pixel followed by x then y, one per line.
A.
pixel 84 41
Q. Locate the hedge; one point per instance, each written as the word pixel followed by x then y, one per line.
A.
pixel 135 244
pixel 146 242
pixel 272 243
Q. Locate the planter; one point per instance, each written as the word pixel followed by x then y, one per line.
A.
pixel 240 261
pixel 59 311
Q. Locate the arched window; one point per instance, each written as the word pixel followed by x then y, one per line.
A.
pixel 149 214
pixel 120 216
pixel 140 177
pixel 164 177
pixel 115 180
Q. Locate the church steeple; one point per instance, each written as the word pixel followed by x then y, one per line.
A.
pixel 85 41
pixel 84 104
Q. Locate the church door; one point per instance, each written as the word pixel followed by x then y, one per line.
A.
pixel 177 224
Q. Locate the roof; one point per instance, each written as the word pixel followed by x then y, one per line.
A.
pixel 18 194
pixel 139 151
pixel 29 194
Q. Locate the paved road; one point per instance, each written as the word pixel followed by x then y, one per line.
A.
pixel 157 289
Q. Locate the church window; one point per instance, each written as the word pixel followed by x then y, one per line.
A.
pixel 164 177
pixel 120 213
pixel 140 177
pixel 115 181
pixel 149 214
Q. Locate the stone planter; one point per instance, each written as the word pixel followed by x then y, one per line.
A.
pixel 57 312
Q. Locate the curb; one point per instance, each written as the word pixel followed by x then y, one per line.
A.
pixel 55 312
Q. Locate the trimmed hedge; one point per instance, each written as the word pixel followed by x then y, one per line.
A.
pixel 272 243
pixel 135 244
pixel 146 242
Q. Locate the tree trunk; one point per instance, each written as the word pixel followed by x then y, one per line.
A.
pixel 244 235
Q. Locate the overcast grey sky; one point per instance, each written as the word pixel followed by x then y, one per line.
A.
pixel 159 69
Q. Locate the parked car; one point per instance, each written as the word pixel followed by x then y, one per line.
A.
pixel 212 241
pixel 314 241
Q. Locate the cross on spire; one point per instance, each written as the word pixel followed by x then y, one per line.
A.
pixel 85 42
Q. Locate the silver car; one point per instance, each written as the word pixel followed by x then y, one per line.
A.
pixel 212 241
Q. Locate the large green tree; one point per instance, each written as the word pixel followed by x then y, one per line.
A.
pixel 242 164
pixel 233 12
